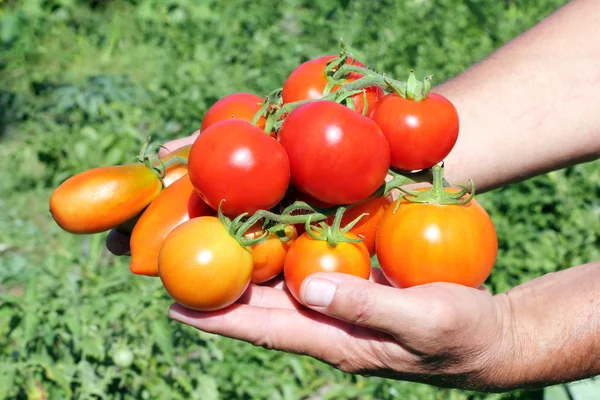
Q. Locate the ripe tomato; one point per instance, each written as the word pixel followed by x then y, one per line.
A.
pixel 336 155
pixel 102 198
pixel 268 256
pixel 424 243
pixel 366 227
pixel 238 106
pixel 308 81
pixel 308 256
pixel 202 267
pixel 175 205
pixel 237 162
pixel 420 133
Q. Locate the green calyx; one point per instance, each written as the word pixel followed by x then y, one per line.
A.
pixel 148 156
pixel 238 227
pixel 437 194
pixel 413 89
pixel 333 234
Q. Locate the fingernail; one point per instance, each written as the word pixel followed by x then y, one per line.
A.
pixel 319 292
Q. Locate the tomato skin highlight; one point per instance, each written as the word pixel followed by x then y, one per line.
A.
pixel 425 243
pixel 336 155
pixel 308 256
pixel 202 267
pixel 102 198
pixel 268 256
pixel 237 162
pixel 242 106
pixel 366 227
pixel 420 133
pixel 308 81
pixel 175 205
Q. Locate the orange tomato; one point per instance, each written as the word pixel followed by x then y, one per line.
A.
pixel 102 198
pixel 202 267
pixel 308 256
pixel 175 205
pixel 268 256
pixel 425 243
pixel 366 227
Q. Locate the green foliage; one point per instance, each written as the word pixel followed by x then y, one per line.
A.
pixel 84 83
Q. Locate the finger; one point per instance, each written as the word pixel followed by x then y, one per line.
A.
pixel 377 276
pixel 296 331
pixel 118 243
pixel 268 297
pixel 177 143
pixel 361 302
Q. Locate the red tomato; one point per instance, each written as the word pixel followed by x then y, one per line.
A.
pixel 336 155
pixel 102 198
pixel 308 81
pixel 366 228
pixel 268 256
pixel 425 243
pixel 237 162
pixel 420 133
pixel 175 205
pixel 308 256
pixel 234 106
pixel 202 267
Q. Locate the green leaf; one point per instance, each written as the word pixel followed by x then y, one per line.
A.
pixel 161 333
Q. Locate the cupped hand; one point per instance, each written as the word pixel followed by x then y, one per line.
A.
pixel 441 334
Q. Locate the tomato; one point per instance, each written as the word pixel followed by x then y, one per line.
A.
pixel 268 256
pixel 308 81
pixel 102 198
pixel 366 227
pixel 336 155
pixel 202 267
pixel 424 243
pixel 420 133
pixel 237 162
pixel 308 256
pixel 175 205
pixel 241 106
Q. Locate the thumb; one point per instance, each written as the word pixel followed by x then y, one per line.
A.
pixel 359 301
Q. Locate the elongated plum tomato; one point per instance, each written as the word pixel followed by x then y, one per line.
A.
pixel 336 155
pixel 175 205
pixel 202 267
pixel 308 81
pixel 420 133
pixel 366 227
pixel 308 256
pixel 241 106
pixel 100 199
pixel 425 243
pixel 268 256
pixel 237 162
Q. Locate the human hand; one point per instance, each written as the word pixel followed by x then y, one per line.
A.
pixel 441 334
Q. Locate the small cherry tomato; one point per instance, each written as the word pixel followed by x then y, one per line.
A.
pixel 308 256
pixel 268 256
pixel 202 267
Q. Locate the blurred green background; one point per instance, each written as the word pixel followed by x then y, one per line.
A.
pixel 84 83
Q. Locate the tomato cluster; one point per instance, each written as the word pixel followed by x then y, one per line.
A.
pixel 294 183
